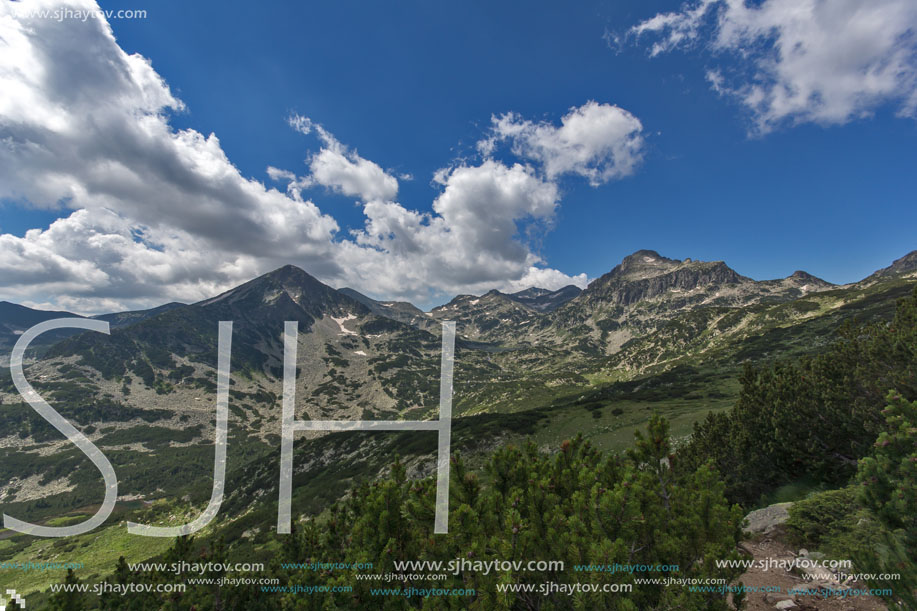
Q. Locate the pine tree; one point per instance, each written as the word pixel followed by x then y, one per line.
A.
pixel 577 505
pixel 888 480
pixel 68 598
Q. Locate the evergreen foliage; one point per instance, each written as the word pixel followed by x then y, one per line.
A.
pixel 814 416
pixel 577 505
pixel 888 480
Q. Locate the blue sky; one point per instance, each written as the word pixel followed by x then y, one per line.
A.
pixel 412 87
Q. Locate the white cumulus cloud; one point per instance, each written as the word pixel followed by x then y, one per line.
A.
pixel 600 142
pixel 798 61
pixel 343 170
pixel 468 244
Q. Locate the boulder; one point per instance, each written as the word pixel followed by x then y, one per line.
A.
pixel 766 519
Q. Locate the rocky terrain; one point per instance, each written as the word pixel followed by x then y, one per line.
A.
pixel 795 588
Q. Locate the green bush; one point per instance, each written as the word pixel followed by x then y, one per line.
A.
pixel 836 523
pixel 812 417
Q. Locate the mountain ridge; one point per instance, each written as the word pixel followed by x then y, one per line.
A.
pixel 904 265
pixel 638 266
pixel 629 341
pixel 546 300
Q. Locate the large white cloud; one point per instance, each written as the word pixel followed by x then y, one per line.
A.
pixel 802 60
pixel 97 260
pixel 468 244
pixel 85 123
pixel 597 141
pixel 157 213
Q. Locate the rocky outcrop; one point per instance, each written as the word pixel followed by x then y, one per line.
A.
pixel 767 519
pixel 646 274
pixel 800 277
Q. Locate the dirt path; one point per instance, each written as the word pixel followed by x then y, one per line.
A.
pixel 772 549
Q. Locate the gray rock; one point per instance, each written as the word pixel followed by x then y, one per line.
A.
pixel 765 520
pixel 785 604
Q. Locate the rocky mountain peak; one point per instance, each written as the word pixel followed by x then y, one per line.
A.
pixel 645 256
pixel 805 278
pixel 646 274
pixel 282 289
pixel 644 263
pixel 292 277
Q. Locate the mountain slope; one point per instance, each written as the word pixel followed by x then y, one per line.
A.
pixel 492 317
pixel 402 311
pixel 353 364
pixel 16 319
pixel 123 319
pixel 654 333
pixel 905 266
pixel 545 300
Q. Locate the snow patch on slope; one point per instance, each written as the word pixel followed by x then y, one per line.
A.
pixel 341 321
